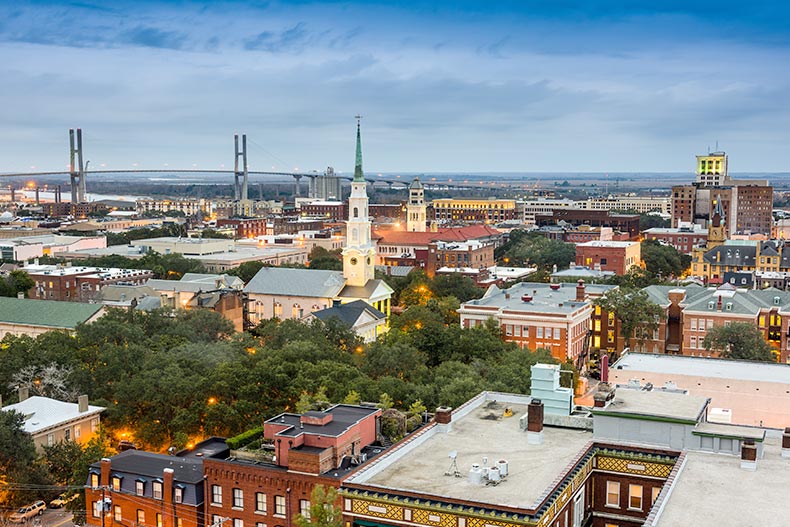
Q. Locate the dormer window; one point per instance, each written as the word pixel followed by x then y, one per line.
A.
pixel 711 304
pixel 116 482
pixel 729 306
pixel 776 300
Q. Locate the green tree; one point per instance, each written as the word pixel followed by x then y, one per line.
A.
pixel 321 258
pixel 324 509
pixel 663 260
pixel 649 221
pixel 246 271
pixel 461 287
pixel 638 315
pixel 531 248
pixel 16 282
pixel 17 462
pixel 740 341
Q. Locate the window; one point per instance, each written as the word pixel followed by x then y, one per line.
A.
pixel 67 434
pixel 139 487
pixel 612 494
pixel 94 480
pixel 116 483
pixel 635 497
pixel 557 334
pixel 603 261
pixel 140 516
pixel 237 522
pixel 116 513
pixel 539 332
pixel 304 508
pixel 179 522
pixel 656 491
pixel 178 494
pixel 77 432
pixel 260 502
pixel 94 425
pixel 158 519
pixel 693 324
pixel 279 505
pixel 238 499
pixel 610 336
pixel 97 506
pixel 216 495
pixel 157 490
pixel 693 344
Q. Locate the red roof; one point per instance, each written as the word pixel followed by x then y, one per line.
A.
pixel 455 234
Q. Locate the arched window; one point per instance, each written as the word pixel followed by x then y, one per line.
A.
pixel 356 212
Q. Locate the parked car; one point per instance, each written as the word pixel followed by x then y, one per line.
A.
pixel 27 512
pixel 62 500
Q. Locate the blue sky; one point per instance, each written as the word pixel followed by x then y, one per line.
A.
pixel 443 86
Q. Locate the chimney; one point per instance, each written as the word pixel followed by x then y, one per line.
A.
pixel 718 304
pixel 82 402
pixel 106 466
pixel 604 394
pixel 24 393
pixel 604 367
pixel 167 496
pixel 507 296
pixel 20 295
pixel 444 415
pixel 535 422
pixel 786 443
pixel 580 293
pixel 749 455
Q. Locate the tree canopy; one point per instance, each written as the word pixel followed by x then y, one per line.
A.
pixel 739 340
pixel 637 314
pixel 525 248
pixel 663 260
pixel 15 282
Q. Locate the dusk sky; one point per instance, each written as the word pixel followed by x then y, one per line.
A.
pixel 521 86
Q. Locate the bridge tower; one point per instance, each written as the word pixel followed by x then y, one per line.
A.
pixel 240 189
pixel 76 171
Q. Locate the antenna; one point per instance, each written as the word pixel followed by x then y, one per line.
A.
pixel 453 470
pixel 717 145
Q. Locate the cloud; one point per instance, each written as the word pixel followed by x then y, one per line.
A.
pixel 152 37
pixel 292 39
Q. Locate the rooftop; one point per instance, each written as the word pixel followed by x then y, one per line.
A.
pixel 654 404
pixel 140 463
pixel 604 243
pixel 713 490
pixel 46 313
pixel 42 413
pixel 483 432
pixel 559 299
pixel 343 417
pixel 296 282
pixel 705 367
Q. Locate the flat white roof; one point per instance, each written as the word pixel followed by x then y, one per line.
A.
pixel 713 490
pixel 704 367
pixel 481 433
pixel 602 243
pixel 42 413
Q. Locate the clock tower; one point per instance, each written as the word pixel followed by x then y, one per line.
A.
pixel 359 255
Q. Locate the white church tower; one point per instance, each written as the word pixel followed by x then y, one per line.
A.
pixel 416 208
pixel 359 255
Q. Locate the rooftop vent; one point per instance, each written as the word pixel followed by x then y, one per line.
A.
pixel 526 298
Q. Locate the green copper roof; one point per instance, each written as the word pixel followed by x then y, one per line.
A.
pixel 358 175
pixel 47 313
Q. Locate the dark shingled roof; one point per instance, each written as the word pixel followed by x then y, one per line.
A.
pixel 150 465
pixel 349 313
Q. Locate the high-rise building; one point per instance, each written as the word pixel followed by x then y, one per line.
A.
pixel 746 203
pixel 416 208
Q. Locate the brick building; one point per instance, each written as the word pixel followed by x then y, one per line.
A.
pixel 245 227
pixel 411 248
pixel 333 211
pixel 615 256
pixel 692 311
pixel 625 223
pixel 558 317
pixel 136 488
pixel 471 254
pixel 683 239
pixel 317 447
pixel 79 284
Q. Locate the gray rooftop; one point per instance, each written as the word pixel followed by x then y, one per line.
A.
pixel 560 300
pixel 343 417
pixel 712 491
pixel 705 367
pixel 578 271
pixel 654 404
pixel 482 432
pixel 349 313
pixel 42 413
pixel 296 282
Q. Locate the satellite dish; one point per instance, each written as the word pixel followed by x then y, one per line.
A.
pixel 453 454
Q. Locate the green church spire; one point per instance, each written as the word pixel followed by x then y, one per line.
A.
pixel 358 175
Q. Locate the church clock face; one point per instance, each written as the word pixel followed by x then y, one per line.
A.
pixel 353 261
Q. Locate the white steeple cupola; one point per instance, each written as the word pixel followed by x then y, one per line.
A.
pixel 359 255
pixel 416 209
